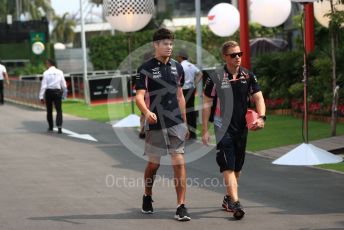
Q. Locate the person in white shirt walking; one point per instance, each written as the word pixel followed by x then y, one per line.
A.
pixel 192 77
pixel 53 89
pixel 3 76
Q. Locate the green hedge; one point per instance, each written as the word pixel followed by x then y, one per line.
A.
pixel 280 74
pixel 108 52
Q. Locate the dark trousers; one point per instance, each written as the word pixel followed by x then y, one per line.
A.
pixel 191 115
pixel 1 92
pixel 54 97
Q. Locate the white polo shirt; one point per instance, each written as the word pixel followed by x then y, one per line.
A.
pixel 190 71
pixel 2 71
pixel 53 78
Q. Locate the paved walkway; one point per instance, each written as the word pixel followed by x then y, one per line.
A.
pixel 50 181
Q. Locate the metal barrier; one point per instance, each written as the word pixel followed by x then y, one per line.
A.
pixel 104 86
pixel 24 92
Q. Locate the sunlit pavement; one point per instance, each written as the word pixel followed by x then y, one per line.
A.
pixel 54 181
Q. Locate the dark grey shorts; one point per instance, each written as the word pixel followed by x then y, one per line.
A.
pixel 165 141
pixel 232 150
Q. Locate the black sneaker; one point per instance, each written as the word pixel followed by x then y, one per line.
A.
pixel 238 211
pixel 227 204
pixel 59 130
pixel 147 207
pixel 182 213
pixel 50 130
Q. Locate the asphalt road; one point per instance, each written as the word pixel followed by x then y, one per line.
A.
pixel 51 181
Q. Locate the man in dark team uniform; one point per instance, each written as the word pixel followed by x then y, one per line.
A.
pixel 233 86
pixel 159 96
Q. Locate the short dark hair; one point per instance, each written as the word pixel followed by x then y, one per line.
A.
pixel 227 45
pixel 183 54
pixel 162 34
pixel 51 62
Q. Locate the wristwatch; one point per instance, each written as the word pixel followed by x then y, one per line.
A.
pixel 263 117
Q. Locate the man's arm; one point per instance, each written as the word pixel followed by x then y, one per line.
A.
pixel 259 102
pixel 182 107
pixel 140 102
pixel 261 109
pixel 64 87
pixel 43 88
pixel 198 78
pixel 206 111
pixel 6 77
pixel 181 102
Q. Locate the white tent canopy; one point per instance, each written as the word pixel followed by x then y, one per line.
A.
pixel 130 121
pixel 307 154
